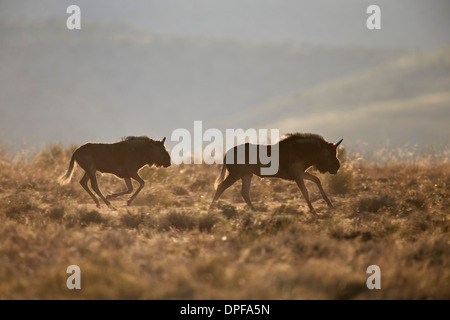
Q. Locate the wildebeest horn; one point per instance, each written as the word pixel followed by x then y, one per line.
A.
pixel 163 140
pixel 337 144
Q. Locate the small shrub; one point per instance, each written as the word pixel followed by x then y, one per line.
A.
pixel 340 183
pixel 56 213
pixel 207 222
pixel 53 153
pixel 434 251
pixel 417 200
pixel 247 221
pixel 180 221
pixel 161 198
pixel 279 188
pixel 374 203
pixel 200 184
pixel 18 206
pixel 277 224
pixel 228 210
pixel 131 220
pixel 180 191
pixel 286 208
pixel 260 207
pixel 93 216
pixel 18 211
pixel 256 227
pixel 341 233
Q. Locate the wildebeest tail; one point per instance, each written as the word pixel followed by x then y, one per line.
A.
pixel 65 179
pixel 221 177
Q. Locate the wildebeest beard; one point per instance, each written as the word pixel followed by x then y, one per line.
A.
pixel 325 166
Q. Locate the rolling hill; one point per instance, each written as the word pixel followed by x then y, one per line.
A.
pixel 402 101
pixel 107 81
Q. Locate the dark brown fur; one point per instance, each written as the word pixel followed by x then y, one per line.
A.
pixel 297 153
pixel 123 159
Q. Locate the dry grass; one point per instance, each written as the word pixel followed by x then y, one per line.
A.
pixel 168 245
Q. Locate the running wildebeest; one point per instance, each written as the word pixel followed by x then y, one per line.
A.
pixel 297 153
pixel 123 159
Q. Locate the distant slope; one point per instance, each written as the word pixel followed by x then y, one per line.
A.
pixel 406 100
pixel 103 82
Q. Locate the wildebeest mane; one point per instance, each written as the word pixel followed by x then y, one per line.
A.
pixel 303 137
pixel 137 139
pixel 137 144
pixel 307 138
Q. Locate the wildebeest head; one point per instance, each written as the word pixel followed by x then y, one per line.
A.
pixel 328 161
pixel 158 154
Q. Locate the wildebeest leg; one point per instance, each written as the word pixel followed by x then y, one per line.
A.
pixel 225 184
pixel 129 190
pixel 94 186
pixel 84 184
pixel 310 177
pixel 301 185
pixel 141 185
pixel 245 192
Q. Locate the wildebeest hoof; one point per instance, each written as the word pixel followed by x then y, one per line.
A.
pixel 212 205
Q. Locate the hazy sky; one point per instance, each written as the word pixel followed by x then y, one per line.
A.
pixel 407 23
pixel 191 71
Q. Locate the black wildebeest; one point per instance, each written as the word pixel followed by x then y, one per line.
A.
pixel 297 153
pixel 123 158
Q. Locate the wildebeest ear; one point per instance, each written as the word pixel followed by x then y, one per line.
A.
pixel 337 144
pixel 163 140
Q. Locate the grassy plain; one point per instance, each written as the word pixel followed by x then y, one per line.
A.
pixel 169 245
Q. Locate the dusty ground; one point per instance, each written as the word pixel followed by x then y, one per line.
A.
pixel 168 245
